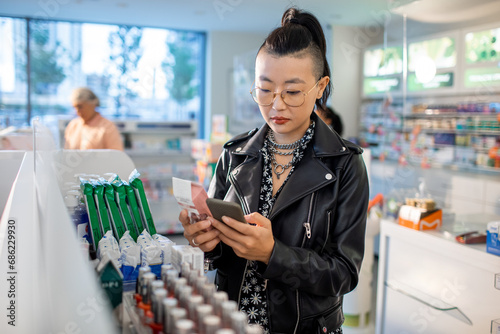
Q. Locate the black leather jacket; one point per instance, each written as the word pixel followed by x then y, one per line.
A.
pixel 318 223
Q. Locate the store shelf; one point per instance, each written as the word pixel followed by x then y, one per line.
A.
pixel 434 135
pixel 450 114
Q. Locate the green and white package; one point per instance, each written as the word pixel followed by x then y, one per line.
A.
pixel 136 183
pixel 95 226
pixel 133 206
pixel 121 201
pixel 113 211
pixel 101 206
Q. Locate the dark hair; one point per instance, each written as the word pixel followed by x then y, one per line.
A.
pixel 334 118
pixel 301 34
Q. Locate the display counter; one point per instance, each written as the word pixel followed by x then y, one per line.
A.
pixel 430 283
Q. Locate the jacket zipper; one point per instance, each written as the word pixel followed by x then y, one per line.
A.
pixel 307 226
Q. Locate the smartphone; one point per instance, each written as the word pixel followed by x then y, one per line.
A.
pixel 220 208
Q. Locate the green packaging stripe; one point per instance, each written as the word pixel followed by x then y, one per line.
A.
pixel 116 218
pixel 143 204
pixel 101 207
pixel 121 199
pixel 134 207
pixel 95 228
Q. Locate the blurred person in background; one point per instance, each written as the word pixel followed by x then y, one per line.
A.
pixel 90 130
pixel 331 118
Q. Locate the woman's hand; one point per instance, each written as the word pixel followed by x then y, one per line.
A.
pixel 252 242
pixel 200 234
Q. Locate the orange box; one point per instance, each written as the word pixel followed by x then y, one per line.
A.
pixel 415 218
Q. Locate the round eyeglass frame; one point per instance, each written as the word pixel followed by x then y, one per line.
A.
pixel 281 95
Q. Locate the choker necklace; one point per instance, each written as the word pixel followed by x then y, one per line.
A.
pixel 280 168
pixel 272 140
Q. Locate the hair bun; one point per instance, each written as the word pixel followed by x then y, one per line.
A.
pixel 294 20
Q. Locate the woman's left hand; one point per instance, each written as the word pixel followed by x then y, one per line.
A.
pixel 252 242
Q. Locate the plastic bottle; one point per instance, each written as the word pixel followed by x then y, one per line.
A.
pixel 78 213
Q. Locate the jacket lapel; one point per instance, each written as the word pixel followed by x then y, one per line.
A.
pixel 311 174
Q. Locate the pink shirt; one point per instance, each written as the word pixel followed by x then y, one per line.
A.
pixel 98 133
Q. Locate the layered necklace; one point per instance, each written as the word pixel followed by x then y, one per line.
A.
pixel 275 149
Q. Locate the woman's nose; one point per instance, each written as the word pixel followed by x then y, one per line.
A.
pixel 278 103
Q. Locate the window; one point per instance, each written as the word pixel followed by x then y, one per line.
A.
pixel 13 75
pixel 137 72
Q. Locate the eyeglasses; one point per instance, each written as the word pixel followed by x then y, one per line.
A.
pixel 292 98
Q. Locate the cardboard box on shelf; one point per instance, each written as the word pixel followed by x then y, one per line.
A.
pixel 492 239
pixel 418 219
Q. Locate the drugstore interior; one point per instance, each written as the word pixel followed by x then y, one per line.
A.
pixel 416 83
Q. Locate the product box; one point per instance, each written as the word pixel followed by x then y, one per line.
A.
pixel 492 240
pixel 418 219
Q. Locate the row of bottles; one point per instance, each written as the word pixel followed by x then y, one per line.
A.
pixel 186 302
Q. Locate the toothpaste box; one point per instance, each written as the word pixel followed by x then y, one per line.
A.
pixel 492 240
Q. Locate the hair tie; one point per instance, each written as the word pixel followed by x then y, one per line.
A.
pixel 294 20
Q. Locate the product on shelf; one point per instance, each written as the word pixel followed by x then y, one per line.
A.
pixel 184 299
pixel 114 213
pixel 166 248
pixel 102 210
pixel 136 183
pixel 493 238
pixel 420 211
pixel 78 213
pixel 426 204
pixel 108 248
pixel 121 200
pixel 95 230
pixel 130 257
pixel 133 206
pixel 112 283
pixel 151 252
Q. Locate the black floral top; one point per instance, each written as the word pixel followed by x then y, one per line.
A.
pixel 253 298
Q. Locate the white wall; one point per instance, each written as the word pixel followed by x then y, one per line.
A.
pixel 222 46
pixel 345 67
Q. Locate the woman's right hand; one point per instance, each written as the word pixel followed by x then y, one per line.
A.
pixel 200 234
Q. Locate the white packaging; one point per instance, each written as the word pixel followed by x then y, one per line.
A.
pixel 198 261
pixel 166 247
pixel 188 254
pixel 130 251
pixel 181 254
pixel 151 253
pixel 108 247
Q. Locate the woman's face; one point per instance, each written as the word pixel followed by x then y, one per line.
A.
pixel 292 74
pixel 84 109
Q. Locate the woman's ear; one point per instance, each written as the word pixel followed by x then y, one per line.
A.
pixel 323 82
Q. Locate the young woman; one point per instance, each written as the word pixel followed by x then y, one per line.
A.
pixel 304 191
